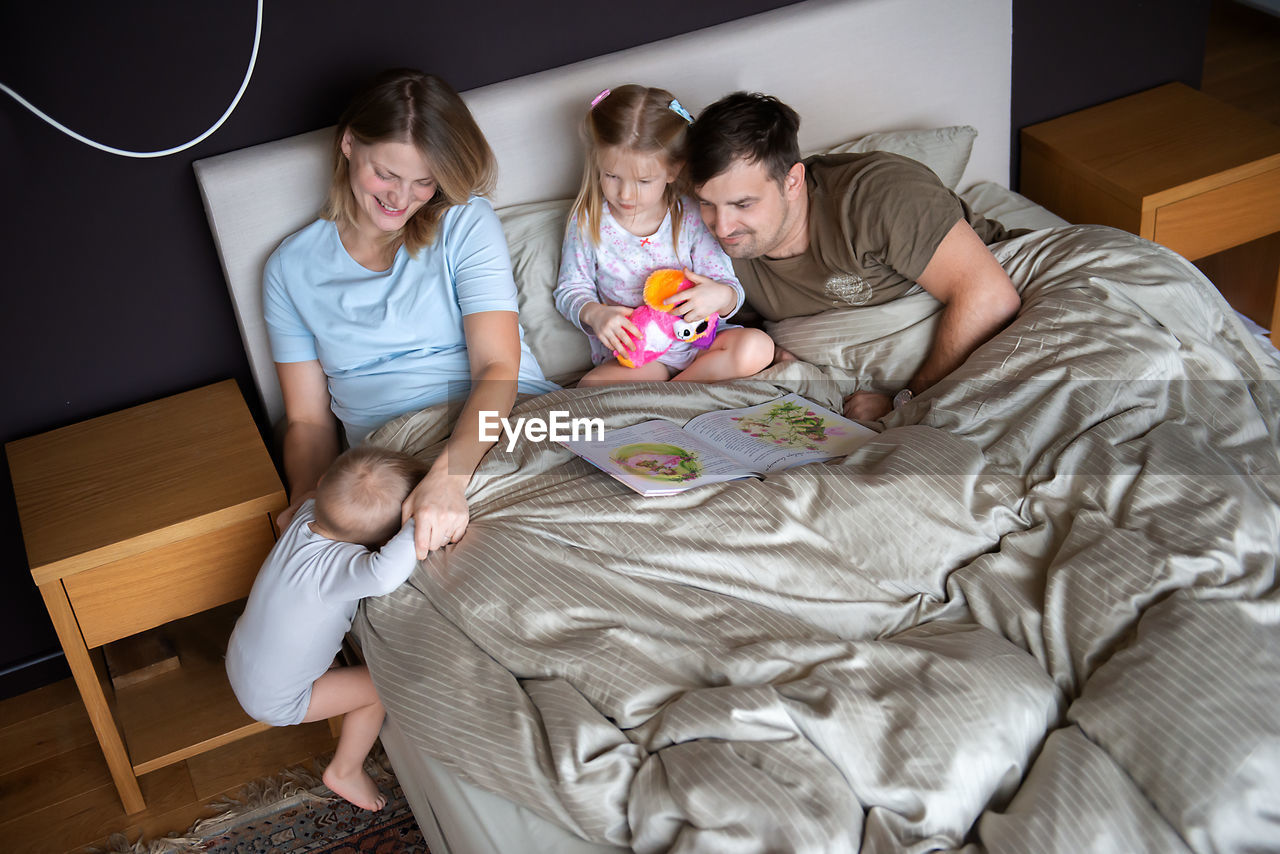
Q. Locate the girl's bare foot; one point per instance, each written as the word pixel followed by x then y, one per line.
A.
pixel 357 787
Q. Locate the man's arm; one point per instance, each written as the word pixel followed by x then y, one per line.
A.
pixel 977 297
pixel 977 301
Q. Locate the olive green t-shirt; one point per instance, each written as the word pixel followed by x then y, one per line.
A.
pixel 875 220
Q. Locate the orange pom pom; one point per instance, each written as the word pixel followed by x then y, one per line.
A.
pixel 662 285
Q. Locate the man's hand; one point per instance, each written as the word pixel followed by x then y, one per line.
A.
pixel 867 406
pixel 706 297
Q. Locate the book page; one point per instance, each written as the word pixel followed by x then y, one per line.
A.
pixel 789 431
pixel 659 458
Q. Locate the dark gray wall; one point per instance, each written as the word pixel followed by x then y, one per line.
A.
pixel 112 291
pixel 1071 55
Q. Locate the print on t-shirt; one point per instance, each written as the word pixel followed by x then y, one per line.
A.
pixel 848 289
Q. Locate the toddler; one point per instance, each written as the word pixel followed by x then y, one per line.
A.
pixel 341 546
pixel 630 219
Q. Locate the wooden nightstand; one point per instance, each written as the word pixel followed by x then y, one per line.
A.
pixel 138 519
pixel 1178 167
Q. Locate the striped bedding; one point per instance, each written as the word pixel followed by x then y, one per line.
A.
pixel 1038 613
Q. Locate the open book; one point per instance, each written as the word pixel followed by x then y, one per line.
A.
pixel 661 458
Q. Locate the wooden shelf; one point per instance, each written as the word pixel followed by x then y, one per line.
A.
pixel 140 479
pixel 1177 167
pixel 184 712
pixel 138 519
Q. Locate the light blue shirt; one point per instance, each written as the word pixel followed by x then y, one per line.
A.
pixel 391 342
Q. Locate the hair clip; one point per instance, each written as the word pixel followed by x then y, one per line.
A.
pixel 604 93
pixel 680 111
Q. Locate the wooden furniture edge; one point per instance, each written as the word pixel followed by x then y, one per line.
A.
pixel 85 673
pixel 1056 158
pixel 1275 315
pixel 221 740
pixel 267 505
pixel 1190 189
pixel 1225 178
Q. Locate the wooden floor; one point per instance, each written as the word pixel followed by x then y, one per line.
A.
pixel 56 794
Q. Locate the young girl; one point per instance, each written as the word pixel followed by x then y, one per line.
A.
pixel 629 220
pixel 345 544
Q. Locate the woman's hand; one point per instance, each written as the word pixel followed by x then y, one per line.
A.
pixel 706 297
pixel 612 325
pixel 438 507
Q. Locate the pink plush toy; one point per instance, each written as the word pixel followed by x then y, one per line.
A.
pixel 659 328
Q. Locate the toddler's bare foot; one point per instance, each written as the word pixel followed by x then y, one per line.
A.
pixel 357 787
pixel 780 356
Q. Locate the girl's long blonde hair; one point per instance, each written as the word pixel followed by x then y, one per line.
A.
pixel 404 105
pixel 635 118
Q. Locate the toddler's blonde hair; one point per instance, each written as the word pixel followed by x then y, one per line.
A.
pixel 359 497
pixel 635 118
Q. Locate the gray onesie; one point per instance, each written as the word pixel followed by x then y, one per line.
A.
pixel 300 608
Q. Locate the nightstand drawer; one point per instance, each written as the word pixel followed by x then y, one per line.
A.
pixel 128 596
pixel 1221 218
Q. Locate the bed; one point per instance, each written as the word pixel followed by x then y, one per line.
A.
pixel 1037 613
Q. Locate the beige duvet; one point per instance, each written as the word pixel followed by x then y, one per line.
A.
pixel 1038 614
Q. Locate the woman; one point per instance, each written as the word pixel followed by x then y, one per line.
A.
pixel 400 296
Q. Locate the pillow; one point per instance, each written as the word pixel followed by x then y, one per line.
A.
pixel 535 233
pixel 944 150
pixel 1008 208
pixel 883 344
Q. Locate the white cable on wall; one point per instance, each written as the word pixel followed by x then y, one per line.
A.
pixel 253 59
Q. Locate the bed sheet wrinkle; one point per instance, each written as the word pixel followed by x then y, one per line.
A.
pixel 684 811
pixel 876 655
pixel 436 662
pixel 1077 799
pixel 635 644
pixel 1100 573
pixel 1202 684
pixel 592 758
pixel 834 566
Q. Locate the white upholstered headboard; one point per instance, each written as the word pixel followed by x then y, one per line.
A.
pixel 849 67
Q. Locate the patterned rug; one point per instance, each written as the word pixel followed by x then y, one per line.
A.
pixel 295 813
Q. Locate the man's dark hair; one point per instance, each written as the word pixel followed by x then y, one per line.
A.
pixel 743 126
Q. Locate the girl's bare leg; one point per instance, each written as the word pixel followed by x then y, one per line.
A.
pixel 349 691
pixel 734 354
pixel 611 371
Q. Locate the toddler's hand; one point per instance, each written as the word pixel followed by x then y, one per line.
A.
pixel 612 325
pixel 707 296
pixel 286 515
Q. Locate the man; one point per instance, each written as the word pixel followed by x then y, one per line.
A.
pixel 844 230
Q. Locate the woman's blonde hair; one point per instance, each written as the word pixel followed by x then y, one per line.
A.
pixel 643 119
pixel 404 105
